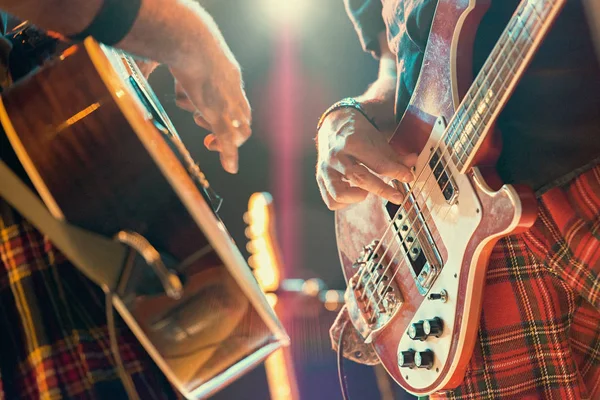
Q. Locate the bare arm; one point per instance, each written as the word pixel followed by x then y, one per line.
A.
pixel 165 30
pixel 380 98
pixel 180 34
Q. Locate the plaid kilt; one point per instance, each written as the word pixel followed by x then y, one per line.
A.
pixel 54 341
pixel 539 336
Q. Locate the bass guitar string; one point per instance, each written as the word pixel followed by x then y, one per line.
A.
pixel 511 70
pixel 434 151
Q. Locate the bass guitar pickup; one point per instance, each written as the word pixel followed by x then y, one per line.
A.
pixel 443 176
pixel 415 239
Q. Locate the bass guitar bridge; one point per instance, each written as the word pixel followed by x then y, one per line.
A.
pixel 372 296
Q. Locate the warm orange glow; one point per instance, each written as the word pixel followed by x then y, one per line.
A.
pixel 267 278
pixel 311 287
pixel 272 299
pixel 333 300
pixel 56 35
pixel 264 259
pixel 266 263
pixel 277 375
pixel 332 296
pixel 69 52
pixel 78 117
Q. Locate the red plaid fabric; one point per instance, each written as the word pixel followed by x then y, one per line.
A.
pixel 540 328
pixel 54 341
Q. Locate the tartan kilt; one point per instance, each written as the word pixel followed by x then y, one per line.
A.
pixel 539 336
pixel 54 341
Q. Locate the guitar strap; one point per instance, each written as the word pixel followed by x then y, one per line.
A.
pixel 99 258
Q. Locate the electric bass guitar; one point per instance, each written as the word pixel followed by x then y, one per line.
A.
pixel 104 156
pixel 416 272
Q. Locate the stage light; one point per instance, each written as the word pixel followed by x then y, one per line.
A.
pixel 290 13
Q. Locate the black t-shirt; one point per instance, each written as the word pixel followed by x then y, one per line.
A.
pixel 551 125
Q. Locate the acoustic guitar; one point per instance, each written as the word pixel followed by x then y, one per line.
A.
pixel 104 156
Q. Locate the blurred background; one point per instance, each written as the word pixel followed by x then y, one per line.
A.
pixel 297 58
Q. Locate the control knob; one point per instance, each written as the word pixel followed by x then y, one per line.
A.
pixel 406 358
pixel 416 331
pixel 433 327
pixel 424 359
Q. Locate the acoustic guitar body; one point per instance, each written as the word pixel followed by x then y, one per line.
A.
pixel 87 131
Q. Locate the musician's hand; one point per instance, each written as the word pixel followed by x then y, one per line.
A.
pixel 180 34
pixel 146 67
pixel 213 91
pixel 351 154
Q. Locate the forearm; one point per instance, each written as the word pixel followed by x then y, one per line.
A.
pixel 167 31
pixel 380 98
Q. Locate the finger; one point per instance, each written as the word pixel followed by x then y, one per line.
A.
pixel 184 103
pixel 241 130
pixel 182 100
pixel 201 122
pixel 388 163
pixel 146 67
pixel 229 156
pixel 340 190
pixel 235 127
pixel 380 157
pixel 243 103
pixel 211 143
pixel 226 140
pixel 327 199
pixel 410 160
pixel 360 176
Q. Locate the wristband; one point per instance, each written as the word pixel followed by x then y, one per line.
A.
pixel 112 23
